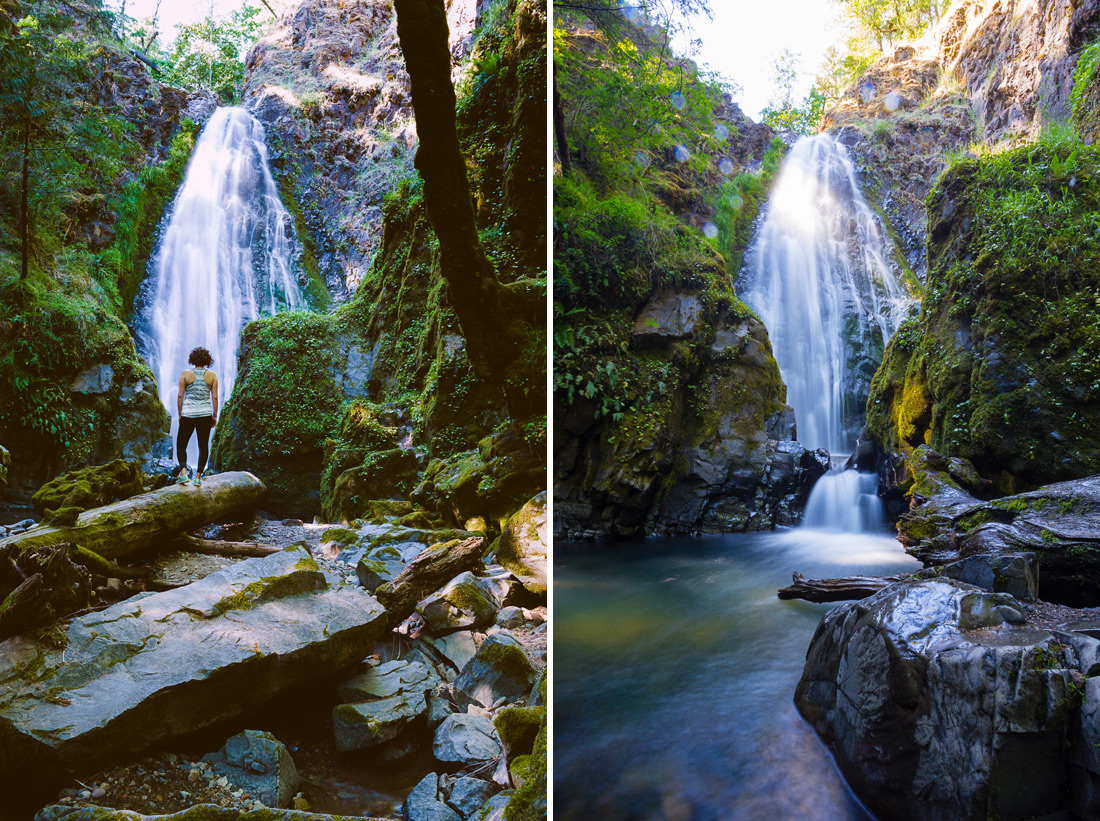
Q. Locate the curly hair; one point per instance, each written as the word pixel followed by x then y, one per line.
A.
pixel 201 357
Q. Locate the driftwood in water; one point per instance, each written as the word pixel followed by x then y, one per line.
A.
pixel 830 590
pixel 212 547
pixel 147 520
pixel 38 587
pixel 428 572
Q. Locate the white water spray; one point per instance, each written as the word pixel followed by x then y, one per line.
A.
pixel 820 277
pixel 225 258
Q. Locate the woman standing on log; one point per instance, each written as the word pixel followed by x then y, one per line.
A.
pixel 198 410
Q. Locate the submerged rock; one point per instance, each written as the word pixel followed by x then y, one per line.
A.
pixel 161 665
pixel 937 708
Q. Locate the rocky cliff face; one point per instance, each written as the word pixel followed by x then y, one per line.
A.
pixel 330 84
pixel 999 368
pixel 713 453
pixel 991 72
pixel 422 421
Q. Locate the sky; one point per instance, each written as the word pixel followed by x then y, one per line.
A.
pixel 745 36
pixel 176 12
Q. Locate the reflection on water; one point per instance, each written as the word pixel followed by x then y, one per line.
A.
pixel 675 669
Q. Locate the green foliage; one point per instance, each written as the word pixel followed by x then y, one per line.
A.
pixel 1085 95
pixel 1004 370
pixel 782 113
pixel 140 206
pixel 628 104
pixel 893 20
pixel 68 147
pixel 738 202
pixel 209 54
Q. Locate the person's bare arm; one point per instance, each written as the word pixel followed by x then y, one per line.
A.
pixel 179 398
pixel 214 396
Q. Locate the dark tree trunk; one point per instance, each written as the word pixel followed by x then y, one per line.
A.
pixel 559 130
pixel 845 589
pixel 24 210
pixel 492 334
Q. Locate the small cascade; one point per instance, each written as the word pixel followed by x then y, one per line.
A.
pixel 226 257
pixel 845 501
pixel 821 275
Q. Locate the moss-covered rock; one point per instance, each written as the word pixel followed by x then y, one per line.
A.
pixel 91 487
pixel 524 544
pixel 528 803
pixel 1001 367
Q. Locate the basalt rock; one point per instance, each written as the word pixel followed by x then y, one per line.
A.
pixel 936 708
pixel 161 665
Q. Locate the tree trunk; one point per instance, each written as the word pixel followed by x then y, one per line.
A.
pixel 559 130
pixel 830 590
pixel 425 574
pixel 24 209
pixel 191 544
pixel 492 339
pixel 149 519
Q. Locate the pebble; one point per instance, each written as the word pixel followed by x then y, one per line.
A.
pixel 223 782
pixel 257 805
pixel 194 776
pixel 98 792
pixel 85 794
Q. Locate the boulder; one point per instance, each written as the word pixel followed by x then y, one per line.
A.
pixel 260 765
pixel 455 650
pixel 439 705
pixel 499 670
pixel 372 723
pixel 491 810
pixel 424 803
pixel 936 708
pixel 523 545
pixel 462 603
pixel 387 680
pixel 468 795
pixel 466 739
pixel 161 665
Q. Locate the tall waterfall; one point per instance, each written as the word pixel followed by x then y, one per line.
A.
pixel 820 274
pixel 225 258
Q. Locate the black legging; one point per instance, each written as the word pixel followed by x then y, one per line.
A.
pixel 189 424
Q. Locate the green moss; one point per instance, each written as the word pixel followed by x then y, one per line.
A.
pixel 91 487
pixel 529 801
pixel 305 577
pixel 1003 369
pixel 509 659
pixel 340 535
pixel 518 727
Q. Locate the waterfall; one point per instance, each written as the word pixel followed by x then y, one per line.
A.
pixel 845 501
pixel 821 275
pixel 224 258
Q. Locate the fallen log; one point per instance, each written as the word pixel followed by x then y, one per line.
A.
pixel 149 519
pixel 842 589
pixel 215 547
pixel 429 571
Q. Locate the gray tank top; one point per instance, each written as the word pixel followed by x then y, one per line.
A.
pixel 196 397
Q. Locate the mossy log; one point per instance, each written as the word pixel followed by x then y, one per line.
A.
pixel 428 572
pixel 830 590
pixel 150 519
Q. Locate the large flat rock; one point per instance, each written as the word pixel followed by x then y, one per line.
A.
pixel 165 664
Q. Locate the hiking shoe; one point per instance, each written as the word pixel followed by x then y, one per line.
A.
pixel 183 480
pixel 198 480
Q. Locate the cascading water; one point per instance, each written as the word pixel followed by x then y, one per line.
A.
pixel 224 259
pixel 821 276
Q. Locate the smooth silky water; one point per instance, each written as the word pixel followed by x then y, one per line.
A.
pixel 675 662
pixel 225 257
pixel 675 666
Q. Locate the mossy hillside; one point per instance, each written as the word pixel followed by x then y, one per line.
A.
pixel 1085 96
pixel 528 803
pixel 285 404
pixel 53 327
pixel 139 209
pixel 1004 369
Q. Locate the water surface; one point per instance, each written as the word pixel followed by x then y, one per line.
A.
pixel 675 669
